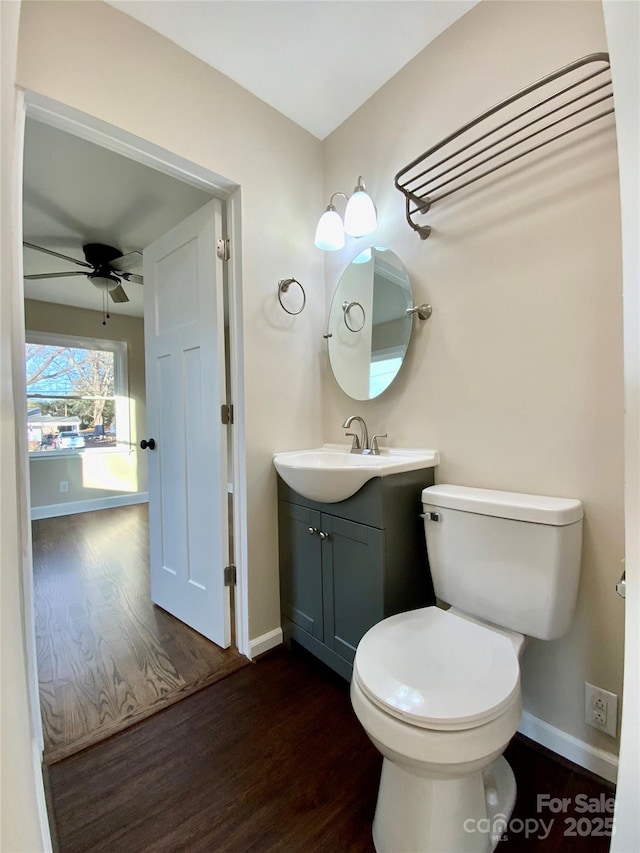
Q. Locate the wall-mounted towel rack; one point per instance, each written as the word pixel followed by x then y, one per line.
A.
pixel 547 110
pixel 283 287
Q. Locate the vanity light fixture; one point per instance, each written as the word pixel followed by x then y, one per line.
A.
pixel 360 219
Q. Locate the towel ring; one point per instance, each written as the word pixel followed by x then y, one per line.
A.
pixel 346 307
pixel 283 287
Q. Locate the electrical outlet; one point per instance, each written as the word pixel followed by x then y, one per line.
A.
pixel 64 485
pixel 600 709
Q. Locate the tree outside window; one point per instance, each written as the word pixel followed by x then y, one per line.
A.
pixel 75 396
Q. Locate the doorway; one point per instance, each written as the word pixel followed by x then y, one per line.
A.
pixel 107 657
pixel 84 127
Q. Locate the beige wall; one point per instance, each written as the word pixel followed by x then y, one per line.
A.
pixel 100 475
pixel 20 794
pixel 163 94
pixel 517 377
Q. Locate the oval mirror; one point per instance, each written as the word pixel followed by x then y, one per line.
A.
pixel 368 328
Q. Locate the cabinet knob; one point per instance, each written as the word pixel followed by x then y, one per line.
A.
pixel 323 535
pixel 312 530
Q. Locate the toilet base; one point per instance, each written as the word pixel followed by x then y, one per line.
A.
pixel 465 814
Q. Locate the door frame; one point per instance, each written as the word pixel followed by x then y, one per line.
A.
pixel 55 114
pixel 622 25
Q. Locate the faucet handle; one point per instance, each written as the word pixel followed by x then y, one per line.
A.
pixel 355 444
pixel 375 450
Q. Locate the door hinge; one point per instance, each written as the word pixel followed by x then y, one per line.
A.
pixel 222 249
pixel 230 575
pixel 226 413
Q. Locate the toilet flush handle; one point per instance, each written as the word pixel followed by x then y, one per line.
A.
pixel 432 516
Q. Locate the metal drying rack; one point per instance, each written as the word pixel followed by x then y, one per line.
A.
pixel 574 102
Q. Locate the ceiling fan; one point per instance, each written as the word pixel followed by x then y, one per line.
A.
pixel 105 267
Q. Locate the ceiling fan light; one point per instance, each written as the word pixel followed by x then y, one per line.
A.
pixel 360 216
pixel 104 282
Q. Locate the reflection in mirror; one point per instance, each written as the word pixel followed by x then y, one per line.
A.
pixel 368 324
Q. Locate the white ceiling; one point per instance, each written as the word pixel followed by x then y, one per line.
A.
pixel 76 192
pixel 316 61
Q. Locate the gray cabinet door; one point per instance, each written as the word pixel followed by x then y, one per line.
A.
pixel 301 597
pixel 353 582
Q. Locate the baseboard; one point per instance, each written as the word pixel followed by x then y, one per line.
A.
pixel 599 761
pixel 47 828
pixel 73 507
pixel 260 645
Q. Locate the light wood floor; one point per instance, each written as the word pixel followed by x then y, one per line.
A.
pixel 107 657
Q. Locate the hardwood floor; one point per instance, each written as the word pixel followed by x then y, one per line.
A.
pixel 107 657
pixel 270 759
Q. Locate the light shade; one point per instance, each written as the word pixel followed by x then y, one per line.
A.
pixel 330 232
pixel 104 281
pixel 360 216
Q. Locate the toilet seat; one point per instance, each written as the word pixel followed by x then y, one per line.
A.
pixel 437 670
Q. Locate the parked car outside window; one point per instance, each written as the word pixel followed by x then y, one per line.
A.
pixel 68 441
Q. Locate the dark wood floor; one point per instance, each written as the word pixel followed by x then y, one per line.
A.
pixel 107 657
pixel 270 759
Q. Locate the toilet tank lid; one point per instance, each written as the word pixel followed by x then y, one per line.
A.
pixel 533 508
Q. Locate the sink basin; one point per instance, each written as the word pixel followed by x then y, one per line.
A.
pixel 331 473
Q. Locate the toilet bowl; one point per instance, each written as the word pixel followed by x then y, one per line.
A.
pixel 439 696
pixel 438 691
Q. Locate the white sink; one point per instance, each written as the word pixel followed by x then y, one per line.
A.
pixel 331 473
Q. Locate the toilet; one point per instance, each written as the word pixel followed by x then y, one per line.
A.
pixel 438 690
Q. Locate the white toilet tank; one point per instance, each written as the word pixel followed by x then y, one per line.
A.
pixel 507 558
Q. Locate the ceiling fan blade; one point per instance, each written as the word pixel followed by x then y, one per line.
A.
pixel 56 255
pixel 53 275
pixel 131 276
pixel 118 294
pixel 126 262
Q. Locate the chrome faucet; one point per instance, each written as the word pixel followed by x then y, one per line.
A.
pixel 358 445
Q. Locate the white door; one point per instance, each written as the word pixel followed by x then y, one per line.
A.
pixel 185 370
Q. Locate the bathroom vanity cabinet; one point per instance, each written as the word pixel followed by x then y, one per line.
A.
pixel 346 566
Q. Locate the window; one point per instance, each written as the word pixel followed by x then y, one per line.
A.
pixel 383 369
pixel 77 399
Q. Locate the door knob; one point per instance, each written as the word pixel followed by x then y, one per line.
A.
pixel 312 531
pixel 323 535
pixel 151 444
